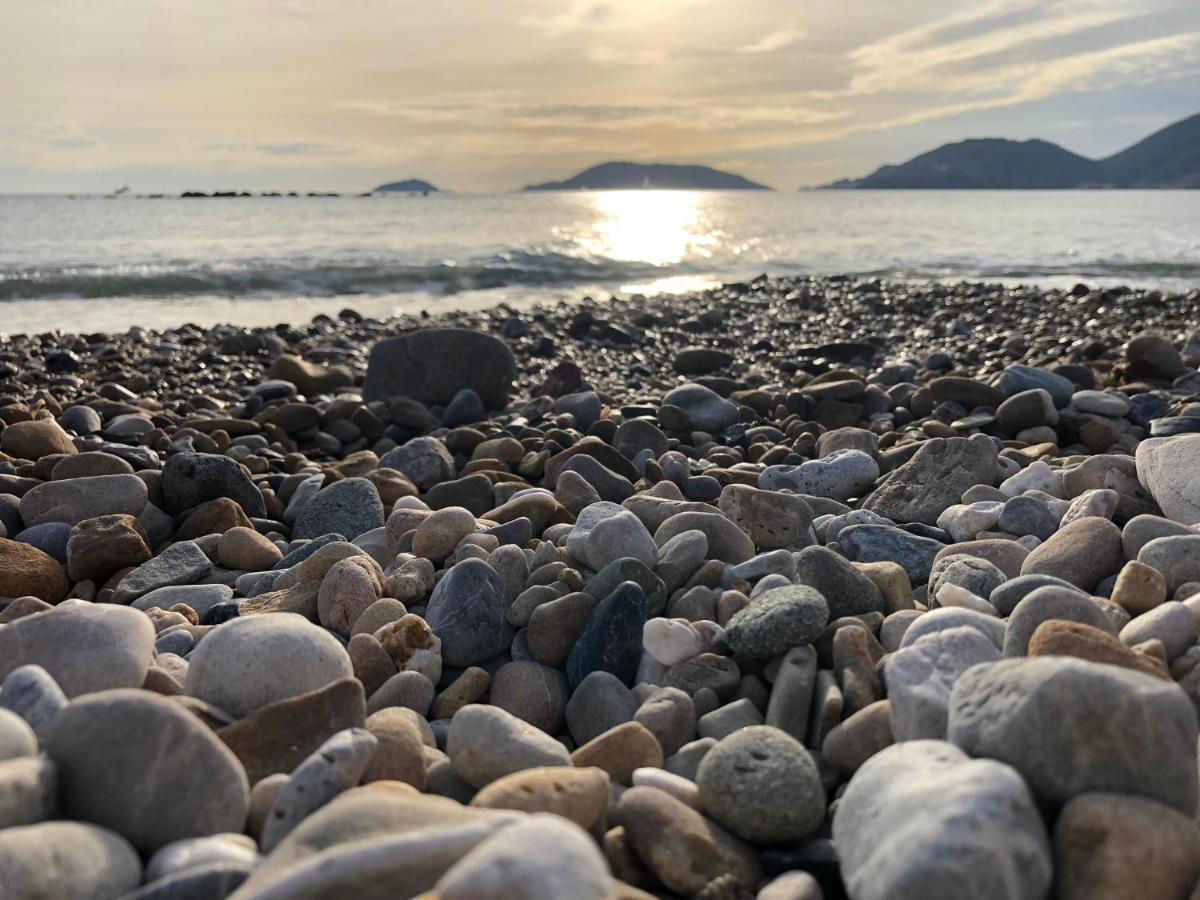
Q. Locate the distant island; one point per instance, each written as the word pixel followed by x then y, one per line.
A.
pixel 623 176
pixel 1169 158
pixel 411 186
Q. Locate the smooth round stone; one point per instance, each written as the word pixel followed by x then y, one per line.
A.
pixel 244 549
pixel 1046 603
pixel 671 641
pixel 847 591
pixel 726 541
pixel 580 795
pixel 400 754
pixel 252 661
pixel 438 535
pixel 189 479
pixel 30 692
pixel 1101 403
pixel 202 851
pixel 1176 557
pixel 466 611
pixel 486 743
pixel 1017 378
pixel 350 507
pixel 17 738
pixel 1172 622
pixel 1022 515
pixel 703 408
pixel 970 573
pixel 67 860
pixel 921 676
pixel 336 766
pixel 532 692
pixel 635 435
pixel 600 701
pixel 27 571
pixel 425 461
pixel 771 519
pixel 670 715
pixel 841 475
pixel 1084 553
pixel 35 439
pixel 1103 845
pixel 1167 467
pixel 51 538
pixel 431 365
pixel 683 849
pixel 1005 597
pixel 349 589
pixel 776 621
pixel 1071 727
pixel 84 648
pixel 951 617
pixel 1057 637
pixel 611 639
pixel 200 597
pixel 605 532
pixel 542 857
pixel 920 819
pixel 110 746
pixel 742 778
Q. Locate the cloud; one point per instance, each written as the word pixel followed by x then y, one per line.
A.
pixel 578 15
pixel 775 40
pixel 60 136
pixel 280 148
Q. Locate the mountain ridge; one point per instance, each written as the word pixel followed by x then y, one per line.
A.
pixel 1167 158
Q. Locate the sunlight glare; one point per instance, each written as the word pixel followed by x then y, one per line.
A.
pixel 660 228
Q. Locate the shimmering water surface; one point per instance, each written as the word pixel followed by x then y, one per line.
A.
pixel 96 263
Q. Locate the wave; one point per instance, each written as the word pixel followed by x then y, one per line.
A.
pixel 511 269
pixel 278 278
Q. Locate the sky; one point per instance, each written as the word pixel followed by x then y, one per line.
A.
pixel 488 95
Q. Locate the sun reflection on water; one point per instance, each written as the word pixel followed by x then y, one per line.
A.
pixel 659 228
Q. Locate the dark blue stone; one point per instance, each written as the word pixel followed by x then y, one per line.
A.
pixel 612 637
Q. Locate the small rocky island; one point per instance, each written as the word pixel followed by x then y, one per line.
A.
pixel 409 186
pixel 625 176
pixel 792 589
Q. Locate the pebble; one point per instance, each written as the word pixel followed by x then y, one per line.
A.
pixel 108 745
pixel 742 778
pixel 252 661
pixel 1070 727
pixel 542 857
pixel 605 532
pixel 67 859
pixel 559 553
pixel 921 818
pixel 486 743
pixel 776 621
pixel 83 648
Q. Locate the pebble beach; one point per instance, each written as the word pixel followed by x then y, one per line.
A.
pixel 803 588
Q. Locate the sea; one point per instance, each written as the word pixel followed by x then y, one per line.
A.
pixel 95 263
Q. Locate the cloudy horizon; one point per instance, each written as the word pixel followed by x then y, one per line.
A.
pixel 486 96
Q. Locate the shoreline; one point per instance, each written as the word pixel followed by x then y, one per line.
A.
pixel 684 595
pixel 452 305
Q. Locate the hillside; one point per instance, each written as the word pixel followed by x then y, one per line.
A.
pixel 620 176
pixel 412 186
pixel 1169 158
